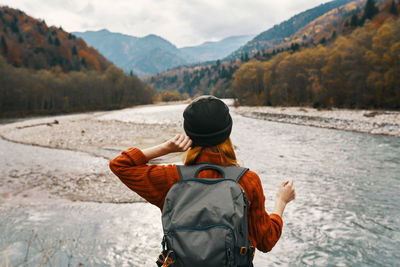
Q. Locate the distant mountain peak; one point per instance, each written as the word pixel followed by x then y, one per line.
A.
pixel 153 36
pixel 152 54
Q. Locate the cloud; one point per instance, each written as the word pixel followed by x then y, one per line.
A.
pixel 183 22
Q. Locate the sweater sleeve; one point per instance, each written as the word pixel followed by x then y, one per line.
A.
pixel 151 182
pixel 264 229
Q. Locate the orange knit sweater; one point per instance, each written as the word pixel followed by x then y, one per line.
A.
pixel 152 182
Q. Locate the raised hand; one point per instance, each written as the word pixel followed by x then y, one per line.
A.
pixel 286 192
pixel 179 143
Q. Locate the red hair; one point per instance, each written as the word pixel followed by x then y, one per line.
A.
pixel 225 149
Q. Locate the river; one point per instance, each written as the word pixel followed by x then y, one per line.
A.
pixel 346 213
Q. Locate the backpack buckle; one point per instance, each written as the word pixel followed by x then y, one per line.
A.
pixel 160 260
pixel 166 258
pixel 243 251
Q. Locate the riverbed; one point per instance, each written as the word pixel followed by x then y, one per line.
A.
pixel 61 206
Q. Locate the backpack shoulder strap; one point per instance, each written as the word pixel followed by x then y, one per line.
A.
pixel 234 172
pixel 228 172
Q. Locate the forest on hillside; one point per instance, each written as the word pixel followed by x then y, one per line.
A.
pixel 29 42
pixel 280 33
pixel 45 70
pixel 25 92
pixel 345 74
pixel 361 70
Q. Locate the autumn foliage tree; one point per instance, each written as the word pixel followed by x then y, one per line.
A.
pixel 45 70
pixel 168 96
pixel 25 92
pixel 28 42
pixel 360 70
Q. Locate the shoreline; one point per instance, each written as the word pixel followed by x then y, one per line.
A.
pixel 376 122
pixel 63 142
pixel 103 135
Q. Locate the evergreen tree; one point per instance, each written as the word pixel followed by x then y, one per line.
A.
pixel 74 51
pixel 354 22
pixel 393 8
pixel 370 9
pixel 294 46
pixel 83 62
pixel 57 41
pixel 20 39
pixel 14 27
pixel 4 45
pixel 50 41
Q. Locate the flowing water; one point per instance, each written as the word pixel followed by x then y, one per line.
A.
pixel 346 213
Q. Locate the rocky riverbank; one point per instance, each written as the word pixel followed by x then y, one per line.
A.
pixel 49 161
pixel 37 173
pixel 103 135
pixel 364 121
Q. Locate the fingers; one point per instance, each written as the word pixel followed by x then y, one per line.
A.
pixel 182 142
pixel 188 144
pixel 292 190
pixel 176 137
pixel 288 183
pixel 180 139
pixel 287 192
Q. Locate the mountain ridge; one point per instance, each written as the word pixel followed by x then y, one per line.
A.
pixel 209 51
pixel 278 32
pixel 216 77
pixel 130 52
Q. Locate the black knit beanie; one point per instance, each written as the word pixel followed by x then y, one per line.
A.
pixel 207 121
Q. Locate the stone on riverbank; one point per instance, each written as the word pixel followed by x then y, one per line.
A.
pixel 364 121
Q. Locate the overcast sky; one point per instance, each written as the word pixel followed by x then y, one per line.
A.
pixel 182 22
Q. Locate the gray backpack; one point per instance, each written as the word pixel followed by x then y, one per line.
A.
pixel 205 220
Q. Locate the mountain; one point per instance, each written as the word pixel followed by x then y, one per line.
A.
pixel 355 69
pixel 209 51
pixel 29 42
pixel 109 44
pixel 143 56
pixel 347 57
pixel 152 54
pixel 278 33
pixel 327 25
pixel 45 70
pixel 217 77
